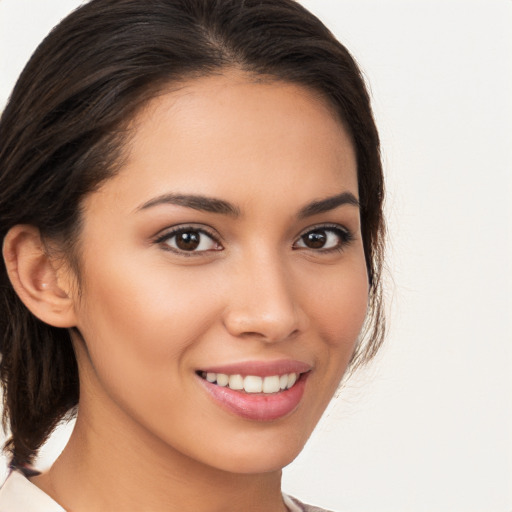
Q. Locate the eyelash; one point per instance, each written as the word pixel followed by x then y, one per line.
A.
pixel 344 235
pixel 185 229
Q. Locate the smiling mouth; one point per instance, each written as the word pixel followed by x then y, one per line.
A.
pixel 252 384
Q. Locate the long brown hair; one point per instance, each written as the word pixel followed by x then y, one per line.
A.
pixel 63 131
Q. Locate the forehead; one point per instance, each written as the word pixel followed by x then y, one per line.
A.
pixel 226 134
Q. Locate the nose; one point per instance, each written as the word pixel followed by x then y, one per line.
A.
pixel 263 301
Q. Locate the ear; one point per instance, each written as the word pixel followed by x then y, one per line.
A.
pixel 43 288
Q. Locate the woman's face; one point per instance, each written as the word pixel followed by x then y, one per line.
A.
pixel 226 254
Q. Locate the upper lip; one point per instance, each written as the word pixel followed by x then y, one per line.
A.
pixel 260 368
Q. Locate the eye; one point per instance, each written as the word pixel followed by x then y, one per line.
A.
pixel 324 238
pixel 189 240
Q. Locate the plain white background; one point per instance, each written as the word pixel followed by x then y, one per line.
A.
pixel 428 427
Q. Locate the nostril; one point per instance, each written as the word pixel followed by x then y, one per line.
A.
pixel 267 311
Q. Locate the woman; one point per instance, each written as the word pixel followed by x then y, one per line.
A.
pixel 191 209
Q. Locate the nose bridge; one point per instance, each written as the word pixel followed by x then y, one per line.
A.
pixel 264 302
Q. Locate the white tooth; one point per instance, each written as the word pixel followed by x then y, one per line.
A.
pixel 222 379
pixel 271 384
pixel 253 384
pixel 211 377
pixel 292 378
pixel 283 381
pixel 236 382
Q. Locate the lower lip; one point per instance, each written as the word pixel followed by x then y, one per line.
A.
pixel 259 407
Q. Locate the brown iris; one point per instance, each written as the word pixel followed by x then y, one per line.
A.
pixel 315 239
pixel 188 240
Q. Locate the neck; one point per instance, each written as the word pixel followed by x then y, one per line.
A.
pixel 104 469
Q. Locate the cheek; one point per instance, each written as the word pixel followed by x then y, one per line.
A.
pixel 336 302
pixel 339 307
pixel 140 335
pixel 140 325
pixel 150 303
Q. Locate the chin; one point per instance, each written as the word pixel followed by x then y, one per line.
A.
pixel 271 461
pixel 258 452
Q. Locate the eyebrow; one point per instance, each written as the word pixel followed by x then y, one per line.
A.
pixel 213 205
pixel 328 204
pixel 196 202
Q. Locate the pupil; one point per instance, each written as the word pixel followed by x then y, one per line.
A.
pixel 188 241
pixel 315 239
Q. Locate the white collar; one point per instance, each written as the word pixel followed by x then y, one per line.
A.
pixel 19 494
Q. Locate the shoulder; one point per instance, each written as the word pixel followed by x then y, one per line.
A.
pixel 294 505
pixel 18 494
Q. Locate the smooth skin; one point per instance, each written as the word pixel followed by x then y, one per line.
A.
pixel 249 286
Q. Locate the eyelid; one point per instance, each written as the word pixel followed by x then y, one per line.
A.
pixel 169 232
pixel 346 237
pixel 345 234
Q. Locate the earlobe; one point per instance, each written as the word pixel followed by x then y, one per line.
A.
pixel 35 278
